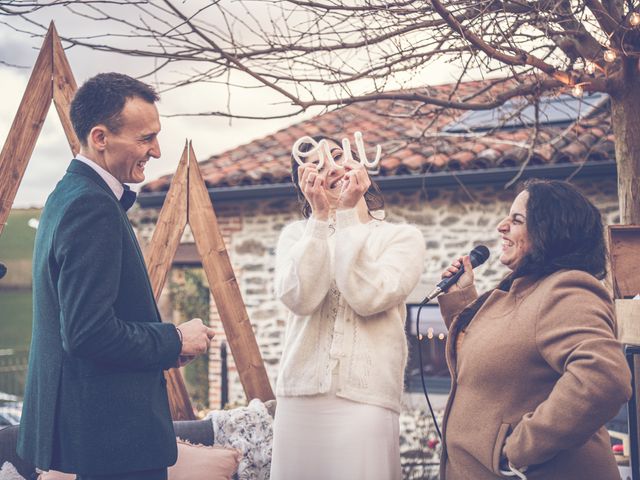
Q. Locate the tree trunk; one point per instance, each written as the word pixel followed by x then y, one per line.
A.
pixel 625 119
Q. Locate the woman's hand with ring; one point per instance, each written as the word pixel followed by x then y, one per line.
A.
pixel 311 183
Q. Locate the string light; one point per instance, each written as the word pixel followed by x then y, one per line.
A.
pixel 577 90
pixel 441 336
pixel 420 337
pixel 634 19
pixel 590 68
pixel 429 336
pixel 609 56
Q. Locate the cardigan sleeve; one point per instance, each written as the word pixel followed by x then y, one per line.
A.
pixel 303 267
pixel 575 335
pixel 451 304
pixel 372 285
pixel 88 250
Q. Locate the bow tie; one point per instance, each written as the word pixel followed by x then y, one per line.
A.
pixel 128 198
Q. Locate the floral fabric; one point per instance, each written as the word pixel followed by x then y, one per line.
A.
pixel 248 429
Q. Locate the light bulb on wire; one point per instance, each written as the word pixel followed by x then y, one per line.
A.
pixel 590 68
pixel 634 19
pixel 577 90
pixel 609 56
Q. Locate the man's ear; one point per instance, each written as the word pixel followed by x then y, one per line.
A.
pixel 97 137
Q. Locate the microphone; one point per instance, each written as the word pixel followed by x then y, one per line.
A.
pixel 478 256
pixel 3 270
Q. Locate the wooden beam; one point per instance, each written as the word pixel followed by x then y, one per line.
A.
pixel 64 88
pixel 179 402
pixel 26 128
pixel 159 257
pixel 169 228
pixel 223 284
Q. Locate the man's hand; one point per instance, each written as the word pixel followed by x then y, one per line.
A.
pixel 196 337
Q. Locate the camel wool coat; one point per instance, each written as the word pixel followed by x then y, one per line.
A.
pixel 538 371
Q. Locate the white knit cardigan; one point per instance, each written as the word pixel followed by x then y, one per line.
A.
pixel 346 293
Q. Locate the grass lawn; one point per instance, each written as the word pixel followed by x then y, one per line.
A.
pixel 15 319
pixel 16 241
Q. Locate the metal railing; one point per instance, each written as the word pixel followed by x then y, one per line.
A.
pixel 13 371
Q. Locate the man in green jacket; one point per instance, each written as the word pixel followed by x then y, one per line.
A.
pixel 96 401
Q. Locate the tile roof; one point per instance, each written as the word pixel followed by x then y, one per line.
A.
pixel 413 142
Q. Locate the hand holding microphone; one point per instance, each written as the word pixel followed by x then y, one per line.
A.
pixel 465 279
pixel 460 273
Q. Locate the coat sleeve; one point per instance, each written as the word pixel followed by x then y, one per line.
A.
pixel 452 304
pixel 575 336
pixel 88 247
pixel 303 267
pixel 372 284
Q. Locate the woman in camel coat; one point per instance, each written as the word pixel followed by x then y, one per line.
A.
pixel 536 368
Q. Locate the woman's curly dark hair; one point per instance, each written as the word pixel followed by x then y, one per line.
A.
pixel 373 196
pixel 565 233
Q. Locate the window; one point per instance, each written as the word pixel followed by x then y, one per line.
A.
pixel 563 109
pixel 432 345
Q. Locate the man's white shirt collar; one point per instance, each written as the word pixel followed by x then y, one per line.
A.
pixel 113 183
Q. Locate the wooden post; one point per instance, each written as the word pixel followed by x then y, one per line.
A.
pixel 26 128
pixel 64 88
pixel 159 256
pixel 169 228
pixel 223 284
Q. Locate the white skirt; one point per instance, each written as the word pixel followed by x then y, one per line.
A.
pixel 323 437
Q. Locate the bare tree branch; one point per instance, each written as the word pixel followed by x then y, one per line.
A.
pixel 331 53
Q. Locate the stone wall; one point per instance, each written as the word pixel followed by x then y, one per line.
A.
pixel 452 219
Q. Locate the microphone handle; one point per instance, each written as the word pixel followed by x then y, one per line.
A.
pixel 447 282
pixel 443 286
pixel 432 294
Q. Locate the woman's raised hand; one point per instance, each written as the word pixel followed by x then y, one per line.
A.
pixel 466 279
pixel 311 184
pixel 355 183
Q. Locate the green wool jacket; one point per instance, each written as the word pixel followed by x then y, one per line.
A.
pixel 95 400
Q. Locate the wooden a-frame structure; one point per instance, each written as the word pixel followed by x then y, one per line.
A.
pixel 187 201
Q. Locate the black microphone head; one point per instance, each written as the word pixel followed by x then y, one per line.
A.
pixel 3 270
pixel 479 255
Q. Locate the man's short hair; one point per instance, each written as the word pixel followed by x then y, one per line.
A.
pixel 101 100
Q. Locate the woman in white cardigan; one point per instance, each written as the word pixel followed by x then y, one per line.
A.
pixel 344 276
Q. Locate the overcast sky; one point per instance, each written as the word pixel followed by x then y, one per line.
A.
pixel 210 135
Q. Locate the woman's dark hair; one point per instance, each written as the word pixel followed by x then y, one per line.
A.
pixel 101 99
pixel 373 196
pixel 565 232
